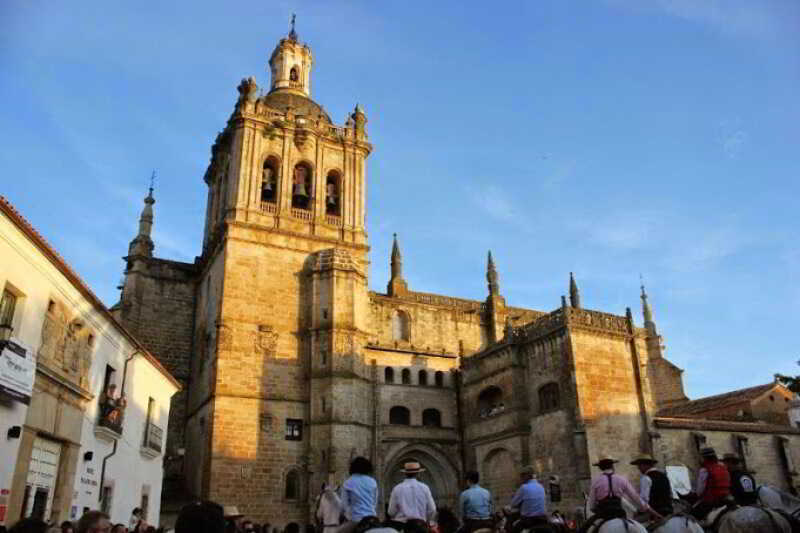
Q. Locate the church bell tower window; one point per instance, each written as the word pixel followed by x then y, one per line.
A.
pixel 333 194
pixel 302 189
pixel 269 180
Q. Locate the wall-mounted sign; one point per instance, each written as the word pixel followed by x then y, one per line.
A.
pixel 17 371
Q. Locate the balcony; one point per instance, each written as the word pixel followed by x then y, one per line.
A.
pixel 109 426
pixel 153 439
pixel 269 207
pixel 302 214
pixel 333 220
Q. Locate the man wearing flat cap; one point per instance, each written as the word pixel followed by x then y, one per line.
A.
pixel 411 502
pixel 531 502
pixel 654 486
pixel 743 486
pixel 606 492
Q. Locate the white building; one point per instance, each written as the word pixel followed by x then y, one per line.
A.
pixel 64 447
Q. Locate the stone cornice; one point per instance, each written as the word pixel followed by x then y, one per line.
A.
pixel 60 380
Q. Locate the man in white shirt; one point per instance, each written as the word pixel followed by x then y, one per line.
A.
pixel 411 503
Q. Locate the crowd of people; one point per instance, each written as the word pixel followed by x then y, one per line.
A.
pixel 411 507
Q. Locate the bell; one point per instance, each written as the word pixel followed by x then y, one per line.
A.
pixel 268 186
pixel 300 190
pixel 331 200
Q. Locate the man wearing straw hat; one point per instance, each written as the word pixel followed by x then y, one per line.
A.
pixel 654 486
pixel 606 492
pixel 411 502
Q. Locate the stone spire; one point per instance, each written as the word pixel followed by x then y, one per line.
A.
pixel 647 312
pixel 397 259
pixel 397 285
pixel 574 293
pixel 491 277
pixel 142 244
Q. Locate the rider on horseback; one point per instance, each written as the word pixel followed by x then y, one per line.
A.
pixel 532 504
pixel 743 486
pixel 654 486
pixel 475 505
pixel 605 495
pixel 359 494
pixel 713 484
pixel 411 505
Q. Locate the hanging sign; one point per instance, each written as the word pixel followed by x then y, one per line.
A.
pixel 17 371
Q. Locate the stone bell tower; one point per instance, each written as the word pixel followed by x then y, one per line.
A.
pixel 282 299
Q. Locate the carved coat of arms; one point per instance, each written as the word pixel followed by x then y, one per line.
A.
pixel 266 340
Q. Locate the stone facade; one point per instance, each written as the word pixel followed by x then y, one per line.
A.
pixel 294 366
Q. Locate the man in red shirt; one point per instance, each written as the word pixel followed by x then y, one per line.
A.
pixel 713 484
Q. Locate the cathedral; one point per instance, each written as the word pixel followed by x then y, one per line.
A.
pixel 291 365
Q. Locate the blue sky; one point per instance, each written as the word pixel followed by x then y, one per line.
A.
pixel 605 137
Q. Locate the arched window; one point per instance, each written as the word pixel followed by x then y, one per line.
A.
pixel 432 418
pixel 439 378
pixel 399 415
pixel 406 376
pixel 388 375
pixel 333 194
pixel 292 489
pixel 490 402
pixel 302 186
pixel 400 326
pixel 269 180
pixel 423 377
pixel 548 397
pixel 293 74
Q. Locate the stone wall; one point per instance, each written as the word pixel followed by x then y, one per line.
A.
pixel 157 306
pixel 678 445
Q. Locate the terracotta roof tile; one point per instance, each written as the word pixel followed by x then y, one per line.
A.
pixel 719 401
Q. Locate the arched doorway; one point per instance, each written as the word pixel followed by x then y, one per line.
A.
pixel 440 474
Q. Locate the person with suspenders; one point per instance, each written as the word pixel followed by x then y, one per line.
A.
pixel 606 492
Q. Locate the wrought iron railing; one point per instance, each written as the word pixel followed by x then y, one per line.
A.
pixel 153 437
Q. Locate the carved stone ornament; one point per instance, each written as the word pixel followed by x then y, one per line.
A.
pixel 266 340
pixel 344 343
pixel 265 422
pixel 65 345
pixel 224 337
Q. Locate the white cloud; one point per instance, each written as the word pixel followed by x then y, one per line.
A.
pixel 496 203
pixel 732 137
pixel 745 18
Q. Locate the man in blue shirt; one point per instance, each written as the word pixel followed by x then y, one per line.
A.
pixel 475 505
pixel 531 502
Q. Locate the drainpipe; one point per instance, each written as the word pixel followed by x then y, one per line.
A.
pixel 114 449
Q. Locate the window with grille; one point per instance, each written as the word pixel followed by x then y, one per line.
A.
pixel 294 429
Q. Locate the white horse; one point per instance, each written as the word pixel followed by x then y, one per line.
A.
pixel 777 499
pixel 679 523
pixel 753 518
pixel 329 509
pixel 616 525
